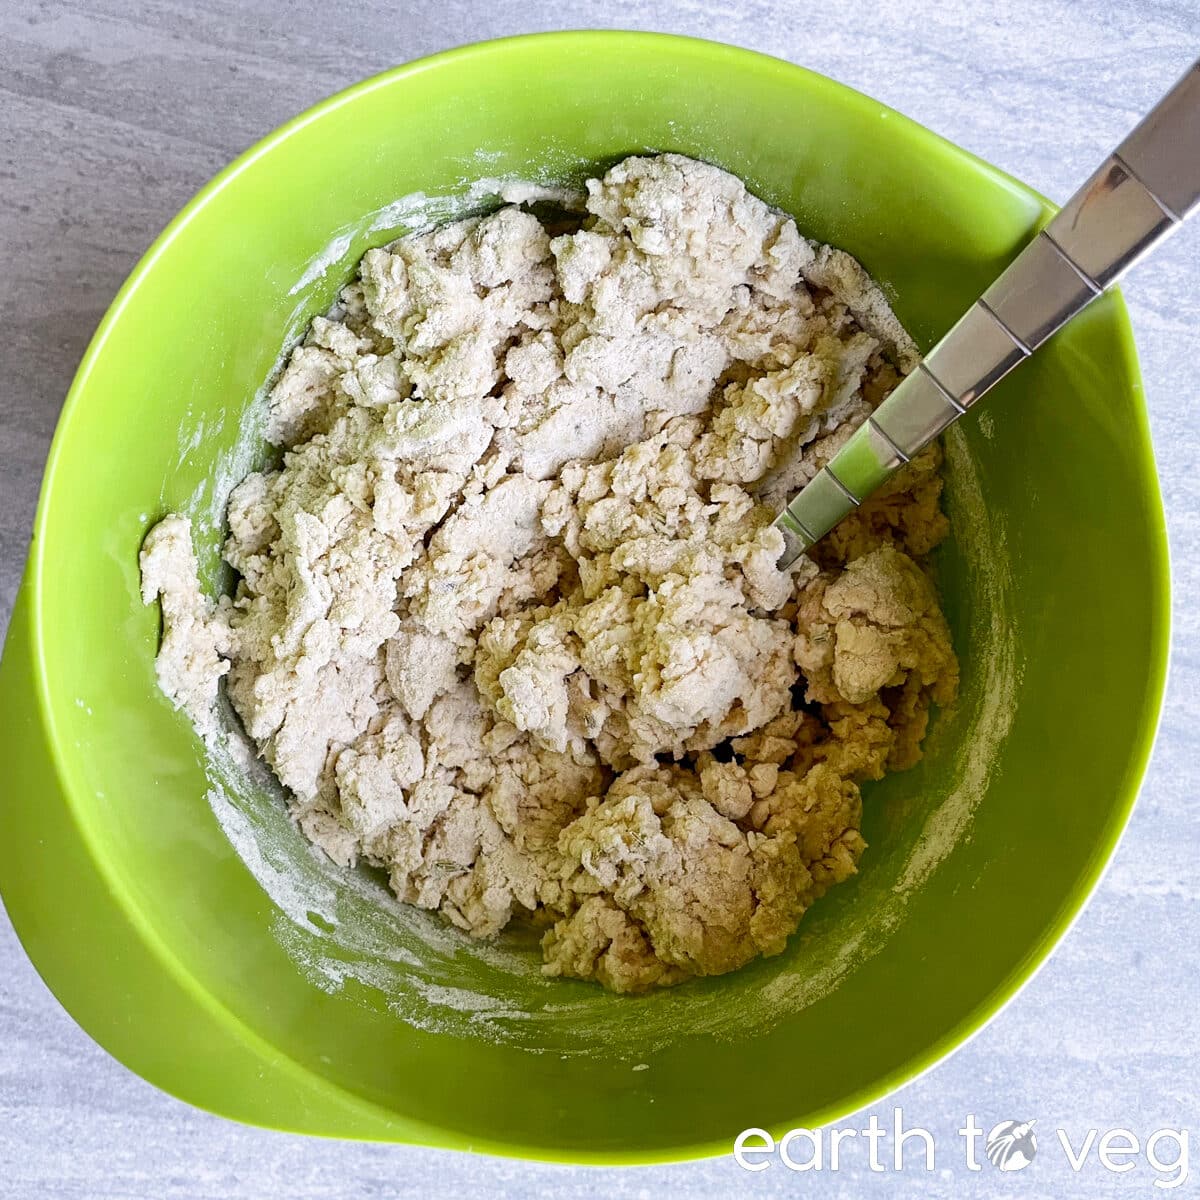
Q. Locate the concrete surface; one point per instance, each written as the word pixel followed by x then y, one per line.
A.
pixel 113 113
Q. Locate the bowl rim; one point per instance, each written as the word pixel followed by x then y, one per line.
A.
pixel 939 1048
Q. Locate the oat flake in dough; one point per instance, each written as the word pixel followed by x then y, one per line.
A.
pixel 508 622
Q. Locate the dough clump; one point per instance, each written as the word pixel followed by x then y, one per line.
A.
pixel 508 622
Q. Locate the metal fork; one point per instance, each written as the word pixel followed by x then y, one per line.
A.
pixel 1140 195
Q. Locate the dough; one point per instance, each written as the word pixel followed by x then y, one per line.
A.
pixel 508 621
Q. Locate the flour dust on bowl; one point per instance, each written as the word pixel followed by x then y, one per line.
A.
pixel 204 942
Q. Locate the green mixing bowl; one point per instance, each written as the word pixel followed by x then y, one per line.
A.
pixel 161 890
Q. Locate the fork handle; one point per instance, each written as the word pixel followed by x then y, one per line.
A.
pixel 1143 192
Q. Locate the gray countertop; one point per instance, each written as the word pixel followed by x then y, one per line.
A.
pixel 112 113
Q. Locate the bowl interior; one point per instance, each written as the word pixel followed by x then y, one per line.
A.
pixel 978 858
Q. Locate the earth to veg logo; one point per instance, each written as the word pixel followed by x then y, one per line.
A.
pixel 1009 1145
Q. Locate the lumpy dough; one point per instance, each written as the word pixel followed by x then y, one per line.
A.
pixel 508 622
